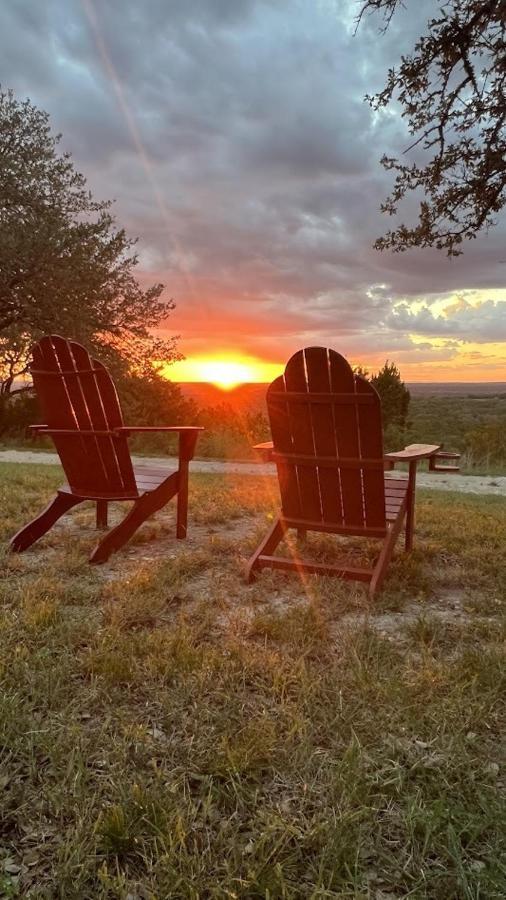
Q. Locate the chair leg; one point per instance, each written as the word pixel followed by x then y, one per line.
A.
pixel 43 522
pixel 383 560
pixel 410 509
pixel 143 508
pixel 266 547
pixel 101 513
pixel 182 501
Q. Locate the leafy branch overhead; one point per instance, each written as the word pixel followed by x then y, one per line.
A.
pixel 452 92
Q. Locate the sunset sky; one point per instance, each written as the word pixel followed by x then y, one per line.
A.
pixel 234 138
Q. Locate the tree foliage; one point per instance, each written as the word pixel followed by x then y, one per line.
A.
pixel 452 92
pixel 66 267
pixel 232 432
pixel 14 358
pixel 64 264
pixel 486 445
pixel 394 395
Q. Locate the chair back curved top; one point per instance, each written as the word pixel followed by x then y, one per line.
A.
pixel 328 443
pixel 77 396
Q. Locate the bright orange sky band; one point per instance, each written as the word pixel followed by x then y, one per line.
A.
pixel 227 370
pixel 235 356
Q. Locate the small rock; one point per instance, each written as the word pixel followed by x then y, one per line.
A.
pixel 11 867
pixel 477 865
pixel 434 761
pixel 492 768
pixel 157 733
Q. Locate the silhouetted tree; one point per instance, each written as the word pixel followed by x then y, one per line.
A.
pixel 451 90
pixel 64 264
pixel 394 395
pixel 65 267
pixel 14 354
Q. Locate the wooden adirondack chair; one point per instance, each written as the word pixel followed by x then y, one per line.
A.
pixel 327 443
pixel 83 416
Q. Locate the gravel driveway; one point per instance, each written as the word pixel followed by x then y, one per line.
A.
pixel 470 484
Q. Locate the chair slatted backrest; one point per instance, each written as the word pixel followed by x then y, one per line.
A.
pixel 328 442
pixel 76 392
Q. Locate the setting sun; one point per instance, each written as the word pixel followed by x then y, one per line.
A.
pixel 226 372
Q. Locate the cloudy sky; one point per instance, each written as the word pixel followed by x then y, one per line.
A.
pixel 234 138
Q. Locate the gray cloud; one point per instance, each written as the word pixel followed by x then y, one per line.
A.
pixel 234 137
pixel 482 323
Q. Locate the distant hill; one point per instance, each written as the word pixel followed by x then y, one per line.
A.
pixel 251 397
pixel 457 388
pixel 244 397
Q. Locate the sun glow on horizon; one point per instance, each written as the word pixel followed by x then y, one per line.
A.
pixel 226 371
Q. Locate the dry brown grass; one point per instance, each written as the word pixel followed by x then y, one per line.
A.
pixel 168 731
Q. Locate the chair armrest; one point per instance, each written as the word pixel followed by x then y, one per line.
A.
pixel 188 435
pixel 123 429
pixel 131 429
pixel 435 462
pixel 34 431
pixel 73 432
pixel 413 453
pixel 265 450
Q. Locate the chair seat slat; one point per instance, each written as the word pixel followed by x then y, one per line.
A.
pixel 322 420
pixel 370 434
pixel 356 573
pixel 105 413
pixel 96 468
pixel 343 382
pixel 301 436
pixel 336 527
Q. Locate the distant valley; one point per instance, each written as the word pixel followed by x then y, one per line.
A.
pixel 246 397
pixel 251 397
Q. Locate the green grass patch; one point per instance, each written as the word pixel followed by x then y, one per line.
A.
pixel 168 731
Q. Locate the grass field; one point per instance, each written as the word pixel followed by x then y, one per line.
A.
pixel 168 731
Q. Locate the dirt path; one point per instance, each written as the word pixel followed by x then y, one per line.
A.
pixel 472 484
